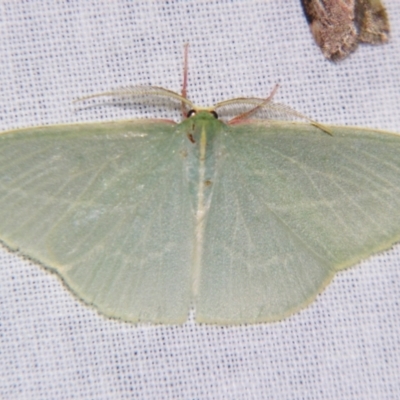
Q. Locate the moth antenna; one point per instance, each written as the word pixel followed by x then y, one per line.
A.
pixel 249 113
pixel 185 77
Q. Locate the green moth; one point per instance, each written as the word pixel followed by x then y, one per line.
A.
pixel 246 220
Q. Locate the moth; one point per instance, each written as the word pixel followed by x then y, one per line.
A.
pixel 338 26
pixel 244 219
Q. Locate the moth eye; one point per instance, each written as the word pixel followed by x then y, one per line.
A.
pixel 213 113
pixel 191 113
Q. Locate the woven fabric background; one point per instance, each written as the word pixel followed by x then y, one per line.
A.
pixel 345 345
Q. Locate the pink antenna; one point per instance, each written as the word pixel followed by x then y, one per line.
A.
pixel 239 118
pixel 185 77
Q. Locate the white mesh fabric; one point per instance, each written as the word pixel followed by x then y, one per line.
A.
pixel 345 345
